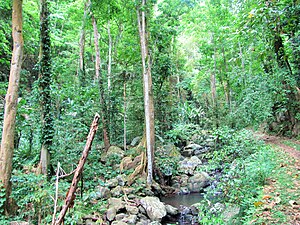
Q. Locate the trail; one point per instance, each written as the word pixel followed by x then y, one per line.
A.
pixel 282 193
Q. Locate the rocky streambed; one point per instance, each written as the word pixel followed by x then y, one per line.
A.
pixel 176 202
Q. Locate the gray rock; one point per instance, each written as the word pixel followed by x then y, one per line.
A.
pixel 19 223
pixel 102 193
pixel 132 209
pixel 112 183
pixel 131 219
pixel 189 150
pixel 184 191
pixel 155 209
pixel 118 223
pixel 111 213
pixel 115 150
pixel 188 165
pixel 197 182
pixel 195 208
pixel 171 210
pixel 116 203
pixel 120 216
pixel 121 179
pixel 116 192
pixel 184 180
pixel 142 210
pixel 155 223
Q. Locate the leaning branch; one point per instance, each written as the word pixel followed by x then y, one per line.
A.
pixel 71 193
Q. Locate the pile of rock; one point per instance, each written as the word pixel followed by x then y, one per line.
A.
pixel 139 211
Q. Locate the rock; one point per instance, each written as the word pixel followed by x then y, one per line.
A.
pixel 197 182
pixel 201 151
pixel 155 223
pixel 131 219
pixel 128 191
pixel 217 208
pixel 111 213
pixel 184 180
pixel 188 165
pixel 135 141
pixel 171 210
pixel 127 163
pixel 155 209
pixel 118 223
pixel 112 183
pixel 120 216
pixel 102 193
pixel 142 210
pixel 121 179
pixel 184 191
pixel 115 150
pixel 116 203
pixel 195 209
pixel 132 209
pixel 116 192
pixel 189 150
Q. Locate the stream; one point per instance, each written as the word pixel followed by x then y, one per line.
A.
pixel 182 202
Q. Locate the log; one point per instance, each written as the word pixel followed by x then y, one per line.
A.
pixel 71 193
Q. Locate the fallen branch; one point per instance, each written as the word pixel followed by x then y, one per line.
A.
pixel 71 193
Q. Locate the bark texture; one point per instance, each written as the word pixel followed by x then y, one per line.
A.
pixel 11 102
pixel 148 93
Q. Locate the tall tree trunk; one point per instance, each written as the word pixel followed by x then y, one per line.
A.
pixel 148 92
pixel 125 113
pixel 81 73
pixel 98 77
pixel 226 84
pixel 11 102
pixel 109 56
pixel 44 87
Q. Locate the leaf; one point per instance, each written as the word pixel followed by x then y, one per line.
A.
pixel 257 204
pixel 266 197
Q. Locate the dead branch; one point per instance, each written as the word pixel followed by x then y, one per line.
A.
pixel 71 193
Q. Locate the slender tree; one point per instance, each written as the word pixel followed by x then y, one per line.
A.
pixel 7 143
pixel 148 92
pixel 98 77
pixel 44 87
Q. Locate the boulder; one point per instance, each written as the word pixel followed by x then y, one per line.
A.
pixel 155 209
pixel 171 210
pixel 189 150
pixel 132 209
pixel 116 203
pixel 116 192
pixel 197 182
pixel 131 219
pixel 188 165
pixel 118 223
pixel 115 150
pixel 112 183
pixel 111 213
pixel 102 193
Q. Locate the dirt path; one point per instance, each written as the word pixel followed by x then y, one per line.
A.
pixel 277 141
pixel 282 194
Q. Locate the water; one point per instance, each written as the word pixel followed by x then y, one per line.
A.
pixel 182 200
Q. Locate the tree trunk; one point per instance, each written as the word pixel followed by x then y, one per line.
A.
pixel 98 77
pixel 148 93
pixel 81 73
pixel 11 102
pixel 44 87
pixel 125 113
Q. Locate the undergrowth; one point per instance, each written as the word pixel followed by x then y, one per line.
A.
pixel 245 164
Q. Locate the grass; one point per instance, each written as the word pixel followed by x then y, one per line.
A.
pixel 292 144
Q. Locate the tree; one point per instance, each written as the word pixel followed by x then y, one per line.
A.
pixel 7 143
pixel 147 84
pixel 44 87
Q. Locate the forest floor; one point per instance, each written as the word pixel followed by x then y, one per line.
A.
pixel 280 203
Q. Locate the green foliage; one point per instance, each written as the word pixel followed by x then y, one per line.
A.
pixel 245 164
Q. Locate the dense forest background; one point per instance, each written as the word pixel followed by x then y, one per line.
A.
pixel 215 64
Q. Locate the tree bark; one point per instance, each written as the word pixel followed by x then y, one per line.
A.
pixel 148 93
pixel 71 193
pixel 11 102
pixel 44 87
pixel 98 77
